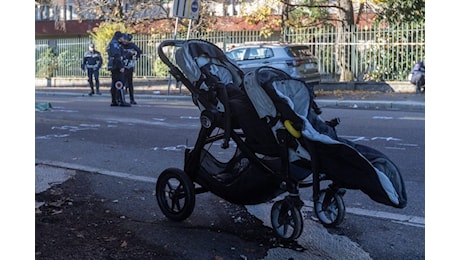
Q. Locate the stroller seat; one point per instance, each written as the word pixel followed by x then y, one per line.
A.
pixel 218 83
pixel 274 94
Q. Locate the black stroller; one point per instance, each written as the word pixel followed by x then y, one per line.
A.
pixel 278 143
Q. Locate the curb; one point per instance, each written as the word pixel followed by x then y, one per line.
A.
pixel 172 85
pixel 330 103
pixel 379 105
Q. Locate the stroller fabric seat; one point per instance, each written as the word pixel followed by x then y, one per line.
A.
pixel 352 166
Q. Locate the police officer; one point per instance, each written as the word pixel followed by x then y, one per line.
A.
pixel 116 67
pixel 132 54
pixel 92 62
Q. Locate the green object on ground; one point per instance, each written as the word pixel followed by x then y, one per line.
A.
pixel 43 106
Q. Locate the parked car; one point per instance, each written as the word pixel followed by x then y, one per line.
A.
pixel 294 59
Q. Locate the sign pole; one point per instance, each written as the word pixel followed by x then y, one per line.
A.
pixel 189 9
pixel 189 28
pixel 175 37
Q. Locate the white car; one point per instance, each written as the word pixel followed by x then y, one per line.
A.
pixel 294 59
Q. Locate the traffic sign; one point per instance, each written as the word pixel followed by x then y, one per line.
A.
pixel 186 9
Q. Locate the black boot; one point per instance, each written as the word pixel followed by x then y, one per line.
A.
pixel 113 93
pixel 131 96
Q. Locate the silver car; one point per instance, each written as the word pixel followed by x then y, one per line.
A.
pixel 294 59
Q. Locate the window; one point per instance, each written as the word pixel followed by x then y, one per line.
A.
pixel 237 55
pixel 260 53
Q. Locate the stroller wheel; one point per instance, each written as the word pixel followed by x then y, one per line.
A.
pixel 330 208
pixel 287 221
pixel 175 194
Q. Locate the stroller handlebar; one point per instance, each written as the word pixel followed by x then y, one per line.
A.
pixel 173 69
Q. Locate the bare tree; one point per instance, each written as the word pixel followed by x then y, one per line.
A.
pixel 58 8
pixel 127 11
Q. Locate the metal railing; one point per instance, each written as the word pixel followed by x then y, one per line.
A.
pixel 381 53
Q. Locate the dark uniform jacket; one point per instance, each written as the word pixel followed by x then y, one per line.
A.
pixel 132 52
pixel 115 55
pixel 92 60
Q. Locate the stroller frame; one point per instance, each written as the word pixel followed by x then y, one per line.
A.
pixel 176 189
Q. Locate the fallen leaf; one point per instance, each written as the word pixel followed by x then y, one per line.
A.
pixel 108 239
pixel 55 212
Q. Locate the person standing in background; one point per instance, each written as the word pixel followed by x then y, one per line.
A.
pixel 132 54
pixel 92 62
pixel 116 67
pixel 418 77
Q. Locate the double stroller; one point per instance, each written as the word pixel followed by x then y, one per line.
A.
pixel 262 139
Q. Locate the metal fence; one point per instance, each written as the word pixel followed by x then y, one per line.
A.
pixel 381 53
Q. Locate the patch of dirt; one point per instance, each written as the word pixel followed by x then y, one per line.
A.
pixel 74 223
pixel 350 94
pixel 73 226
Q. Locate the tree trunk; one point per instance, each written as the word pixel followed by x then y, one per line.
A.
pixel 284 23
pixel 346 18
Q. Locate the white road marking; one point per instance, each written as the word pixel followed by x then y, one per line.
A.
pixel 412 118
pixel 395 148
pixel 397 218
pixel 399 118
pixel 412 145
pixel 382 117
pixel 190 117
pixel 385 138
pixel 47 137
pixel 80 127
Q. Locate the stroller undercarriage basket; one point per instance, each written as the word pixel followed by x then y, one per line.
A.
pixel 240 181
pixel 280 139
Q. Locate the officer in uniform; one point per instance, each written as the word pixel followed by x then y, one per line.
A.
pixel 92 62
pixel 116 67
pixel 132 54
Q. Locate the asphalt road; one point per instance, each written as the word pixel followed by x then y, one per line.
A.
pixel 124 149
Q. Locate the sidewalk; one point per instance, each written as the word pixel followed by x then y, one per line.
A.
pixel 335 99
pixel 372 100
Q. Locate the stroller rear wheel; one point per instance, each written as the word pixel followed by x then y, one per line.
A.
pixel 175 194
pixel 287 221
pixel 330 208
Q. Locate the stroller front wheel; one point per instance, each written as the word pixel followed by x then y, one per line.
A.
pixel 329 207
pixel 287 221
pixel 175 194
